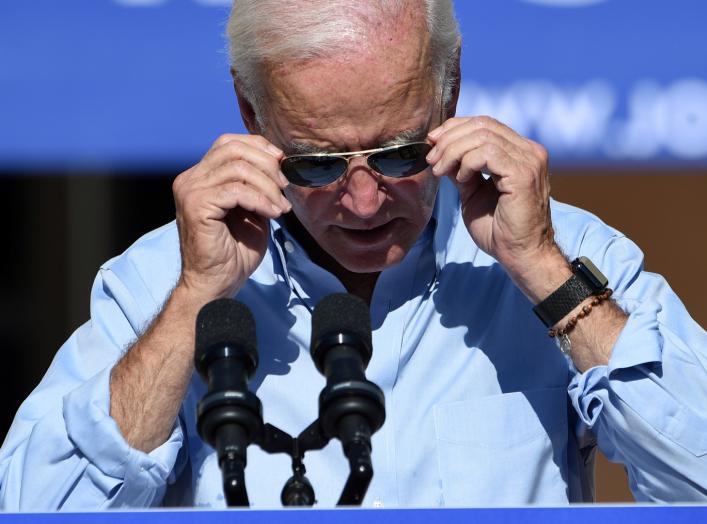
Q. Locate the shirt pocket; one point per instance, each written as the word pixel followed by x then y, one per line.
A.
pixel 503 449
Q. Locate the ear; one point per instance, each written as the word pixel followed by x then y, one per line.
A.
pixel 246 108
pixel 450 109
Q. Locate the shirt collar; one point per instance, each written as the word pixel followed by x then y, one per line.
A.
pixel 442 223
pixel 445 215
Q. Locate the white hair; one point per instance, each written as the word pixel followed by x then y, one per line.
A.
pixel 272 31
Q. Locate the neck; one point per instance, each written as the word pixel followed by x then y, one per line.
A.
pixel 359 284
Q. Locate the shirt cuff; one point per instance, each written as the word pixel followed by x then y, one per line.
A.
pixel 639 343
pixel 97 436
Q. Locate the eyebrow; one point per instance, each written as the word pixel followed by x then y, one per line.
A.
pixel 404 137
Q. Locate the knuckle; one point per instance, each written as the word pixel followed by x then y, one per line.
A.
pixel 538 149
pixel 451 151
pixel 260 140
pixel 237 167
pixel 179 184
pixel 233 148
pixel 230 190
pixel 468 162
pixel 543 154
pixel 484 134
pixel 492 149
pixel 485 121
pixel 223 139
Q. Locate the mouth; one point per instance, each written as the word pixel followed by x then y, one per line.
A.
pixel 369 237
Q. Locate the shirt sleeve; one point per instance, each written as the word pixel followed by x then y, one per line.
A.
pixel 648 406
pixel 63 450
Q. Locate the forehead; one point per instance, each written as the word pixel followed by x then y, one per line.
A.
pixel 354 99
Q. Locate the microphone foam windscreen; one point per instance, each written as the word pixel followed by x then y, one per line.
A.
pixel 341 313
pixel 225 321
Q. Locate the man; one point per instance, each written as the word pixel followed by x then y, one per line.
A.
pixel 450 260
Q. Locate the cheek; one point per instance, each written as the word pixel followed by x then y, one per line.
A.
pixel 310 204
pixel 418 190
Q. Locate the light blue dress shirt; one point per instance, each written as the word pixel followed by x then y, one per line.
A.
pixel 483 408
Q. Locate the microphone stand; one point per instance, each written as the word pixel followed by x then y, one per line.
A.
pixel 230 417
pixel 298 490
pixel 236 421
pixel 360 473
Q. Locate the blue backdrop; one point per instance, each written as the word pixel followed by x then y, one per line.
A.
pixel 133 84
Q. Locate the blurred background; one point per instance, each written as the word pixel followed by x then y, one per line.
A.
pixel 103 103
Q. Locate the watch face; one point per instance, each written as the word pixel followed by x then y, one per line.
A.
pixel 586 269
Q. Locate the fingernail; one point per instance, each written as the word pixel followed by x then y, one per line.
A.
pixel 431 154
pixel 276 209
pixel 286 206
pixel 436 169
pixel 283 180
pixel 435 132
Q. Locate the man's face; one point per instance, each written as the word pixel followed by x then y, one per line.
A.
pixel 363 100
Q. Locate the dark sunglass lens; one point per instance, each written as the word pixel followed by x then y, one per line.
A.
pixel 402 161
pixel 313 171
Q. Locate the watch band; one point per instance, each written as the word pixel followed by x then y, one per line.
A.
pixel 563 300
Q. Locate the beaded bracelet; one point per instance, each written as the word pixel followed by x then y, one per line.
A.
pixel 596 300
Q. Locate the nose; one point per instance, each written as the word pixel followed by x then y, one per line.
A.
pixel 362 195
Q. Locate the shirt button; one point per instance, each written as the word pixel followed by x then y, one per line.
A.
pixel 378 503
pixel 289 247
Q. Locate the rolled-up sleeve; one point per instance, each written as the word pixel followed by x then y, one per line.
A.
pixel 125 474
pixel 648 406
pixel 64 451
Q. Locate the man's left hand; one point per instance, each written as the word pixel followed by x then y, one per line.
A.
pixel 507 213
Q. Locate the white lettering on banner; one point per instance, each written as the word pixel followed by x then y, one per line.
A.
pixel 685 105
pixel 576 120
pixel 586 119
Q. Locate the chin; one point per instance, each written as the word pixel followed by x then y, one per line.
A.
pixel 370 262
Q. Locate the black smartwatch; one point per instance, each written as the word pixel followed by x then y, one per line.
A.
pixel 586 281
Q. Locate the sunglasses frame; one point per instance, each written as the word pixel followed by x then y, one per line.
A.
pixel 347 156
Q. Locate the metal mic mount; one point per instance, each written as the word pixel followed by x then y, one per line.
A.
pixel 350 412
pixel 340 415
pixel 229 417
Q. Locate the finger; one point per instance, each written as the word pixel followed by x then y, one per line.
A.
pixel 236 150
pixel 243 172
pixel 256 140
pixel 448 124
pixel 254 148
pixel 231 195
pixel 480 206
pixel 450 156
pixel 489 158
pixel 470 124
pixel 471 186
pixel 248 150
pixel 463 134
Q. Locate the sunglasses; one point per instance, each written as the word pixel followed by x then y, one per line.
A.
pixel 321 169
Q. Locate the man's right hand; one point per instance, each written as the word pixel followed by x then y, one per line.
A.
pixel 223 206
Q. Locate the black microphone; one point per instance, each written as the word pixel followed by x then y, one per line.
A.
pixel 229 417
pixel 351 408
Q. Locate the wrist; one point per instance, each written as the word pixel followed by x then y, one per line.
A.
pixel 540 274
pixel 200 289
